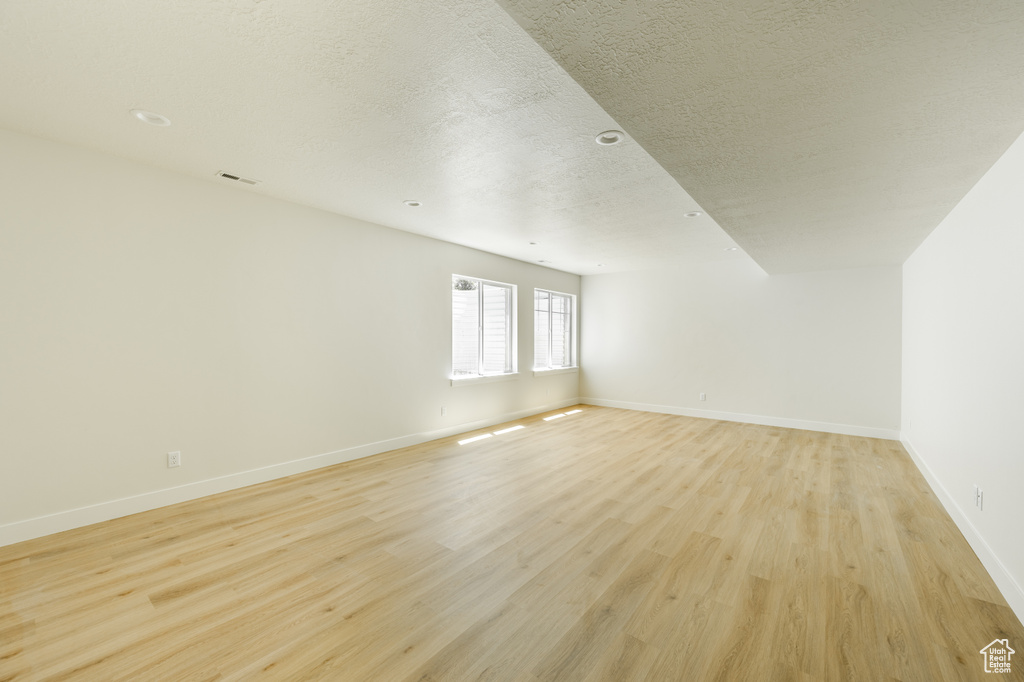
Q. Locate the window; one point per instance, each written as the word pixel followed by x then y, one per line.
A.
pixel 554 330
pixel 483 318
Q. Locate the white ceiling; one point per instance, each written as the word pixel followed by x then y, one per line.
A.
pixel 817 134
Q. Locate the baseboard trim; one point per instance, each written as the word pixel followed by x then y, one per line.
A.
pixel 805 425
pixel 40 526
pixel 1004 580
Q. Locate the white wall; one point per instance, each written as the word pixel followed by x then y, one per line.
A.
pixel 144 311
pixel 817 350
pixel 963 366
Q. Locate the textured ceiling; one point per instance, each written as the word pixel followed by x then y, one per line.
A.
pixel 354 107
pixel 817 134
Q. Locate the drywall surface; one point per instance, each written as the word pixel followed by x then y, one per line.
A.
pixel 344 105
pixel 813 350
pixel 820 135
pixel 145 312
pixel 963 366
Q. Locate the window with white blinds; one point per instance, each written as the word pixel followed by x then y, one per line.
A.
pixel 483 319
pixel 554 333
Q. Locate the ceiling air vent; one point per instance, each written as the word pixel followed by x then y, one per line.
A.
pixel 238 178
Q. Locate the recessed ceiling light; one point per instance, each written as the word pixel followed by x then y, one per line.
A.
pixel 533 243
pixel 693 214
pixel 610 137
pixel 732 248
pixel 151 118
pixel 412 202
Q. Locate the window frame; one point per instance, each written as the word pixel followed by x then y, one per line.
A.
pixel 511 314
pixel 573 338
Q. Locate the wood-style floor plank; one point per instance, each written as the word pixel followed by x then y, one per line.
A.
pixel 604 545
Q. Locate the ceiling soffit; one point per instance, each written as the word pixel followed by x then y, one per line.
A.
pixel 819 135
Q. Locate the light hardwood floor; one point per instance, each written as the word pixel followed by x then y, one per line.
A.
pixel 605 545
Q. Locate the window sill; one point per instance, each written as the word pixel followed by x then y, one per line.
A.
pixel 485 379
pixel 552 372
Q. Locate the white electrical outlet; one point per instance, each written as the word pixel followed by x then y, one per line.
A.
pixel 703 396
pixel 444 411
pixel 173 459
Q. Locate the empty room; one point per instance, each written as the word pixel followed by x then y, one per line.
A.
pixel 511 340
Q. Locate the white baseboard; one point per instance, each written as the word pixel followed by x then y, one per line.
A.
pixel 28 529
pixel 1004 580
pixel 826 427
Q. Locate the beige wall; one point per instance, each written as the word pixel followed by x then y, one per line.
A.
pixel 144 311
pixel 817 350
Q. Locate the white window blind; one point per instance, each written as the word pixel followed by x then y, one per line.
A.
pixel 482 327
pixel 554 335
